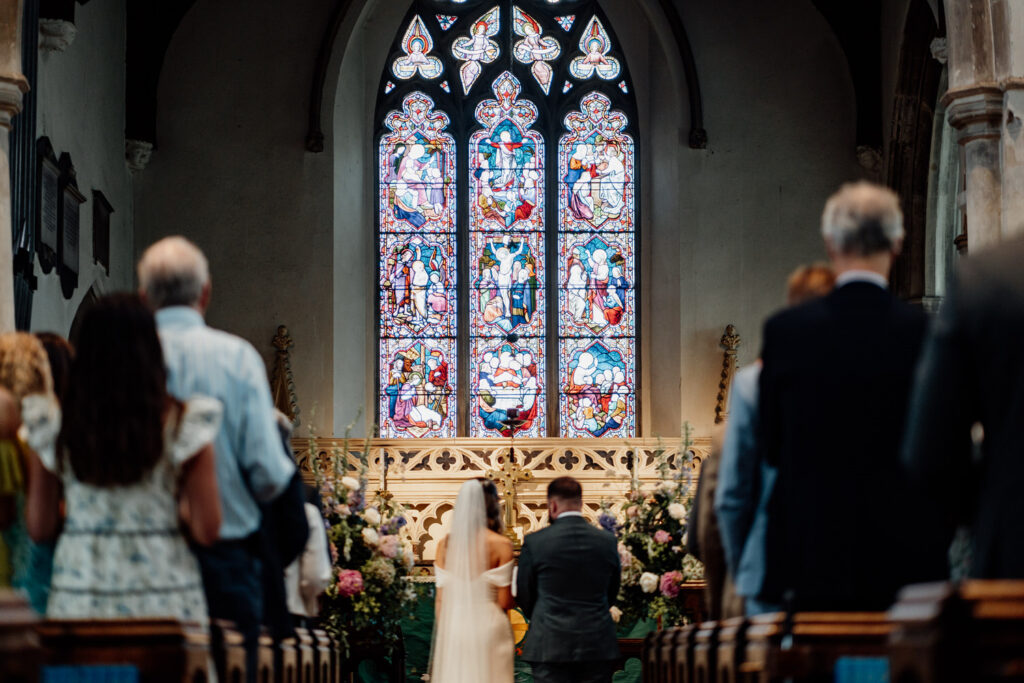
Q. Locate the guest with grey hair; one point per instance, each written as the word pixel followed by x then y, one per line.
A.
pixel 252 466
pixel 844 528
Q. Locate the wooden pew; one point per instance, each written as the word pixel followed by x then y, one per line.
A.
pixel 686 641
pixel 650 660
pixel 667 665
pixel 286 661
pixel 807 646
pixel 323 658
pixel 20 651
pixel 265 660
pixel 732 644
pixel 945 633
pixel 307 666
pixel 161 650
pixel 705 652
pixel 228 649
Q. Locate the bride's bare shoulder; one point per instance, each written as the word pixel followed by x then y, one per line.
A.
pixel 500 546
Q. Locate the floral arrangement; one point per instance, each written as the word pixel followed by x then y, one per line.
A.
pixel 372 556
pixel 651 527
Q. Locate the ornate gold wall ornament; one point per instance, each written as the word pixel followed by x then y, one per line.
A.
pixel 424 475
pixel 282 387
pixel 730 342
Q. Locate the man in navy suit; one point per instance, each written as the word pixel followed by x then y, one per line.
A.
pixel 845 528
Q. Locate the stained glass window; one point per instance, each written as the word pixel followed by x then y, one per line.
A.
pixel 418 308
pixel 507 224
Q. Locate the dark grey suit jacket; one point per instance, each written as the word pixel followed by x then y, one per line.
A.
pixel 972 371
pixel 568 579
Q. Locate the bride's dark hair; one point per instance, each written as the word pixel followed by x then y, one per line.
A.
pixel 492 504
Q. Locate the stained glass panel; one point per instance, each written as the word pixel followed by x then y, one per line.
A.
pixel 417 272
pixel 595 46
pixel 477 48
pixel 417 45
pixel 506 242
pixel 535 49
pixel 596 273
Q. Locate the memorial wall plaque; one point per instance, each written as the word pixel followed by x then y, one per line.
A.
pixel 48 213
pixel 101 210
pixel 69 221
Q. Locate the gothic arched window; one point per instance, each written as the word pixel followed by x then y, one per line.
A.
pixel 506 224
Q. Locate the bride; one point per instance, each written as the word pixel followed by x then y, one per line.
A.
pixel 472 634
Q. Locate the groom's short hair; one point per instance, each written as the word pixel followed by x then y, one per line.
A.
pixel 566 489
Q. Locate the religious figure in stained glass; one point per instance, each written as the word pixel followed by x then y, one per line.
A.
pixel 477 48
pixel 418 396
pixel 507 161
pixel 417 45
pixel 417 272
pixel 507 286
pixel 534 48
pixel 596 304
pixel 596 167
pixel 595 46
pixel 598 397
pixel 597 292
pixel 507 251
pixel 508 385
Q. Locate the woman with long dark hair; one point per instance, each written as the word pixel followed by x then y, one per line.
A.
pixel 473 570
pixel 137 468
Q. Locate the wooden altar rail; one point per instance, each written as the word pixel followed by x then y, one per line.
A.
pixel 935 633
pixel 164 651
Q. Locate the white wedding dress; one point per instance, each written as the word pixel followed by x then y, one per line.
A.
pixel 472 634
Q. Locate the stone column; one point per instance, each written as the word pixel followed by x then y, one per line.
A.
pixel 976 114
pixel 12 87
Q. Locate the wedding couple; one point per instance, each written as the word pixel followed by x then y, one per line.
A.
pixel 568 579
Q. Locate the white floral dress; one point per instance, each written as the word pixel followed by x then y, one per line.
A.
pixel 122 552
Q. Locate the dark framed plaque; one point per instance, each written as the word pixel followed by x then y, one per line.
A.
pixel 48 201
pixel 101 210
pixel 70 222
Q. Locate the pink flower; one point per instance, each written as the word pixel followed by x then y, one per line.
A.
pixel 670 582
pixel 389 546
pixel 334 552
pixel 350 582
pixel 341 509
pixel 662 536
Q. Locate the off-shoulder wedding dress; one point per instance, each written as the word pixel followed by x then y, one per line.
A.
pixel 472 634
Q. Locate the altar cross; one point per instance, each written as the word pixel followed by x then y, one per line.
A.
pixel 508 476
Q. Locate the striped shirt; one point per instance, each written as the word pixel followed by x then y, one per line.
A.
pixel 251 460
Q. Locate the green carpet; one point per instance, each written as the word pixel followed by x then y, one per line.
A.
pixel 417 630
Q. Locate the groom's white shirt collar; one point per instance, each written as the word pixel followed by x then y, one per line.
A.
pixel 568 513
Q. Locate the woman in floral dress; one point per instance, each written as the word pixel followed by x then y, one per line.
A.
pixel 137 472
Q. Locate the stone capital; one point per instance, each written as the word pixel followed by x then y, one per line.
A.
pixel 137 153
pixel 976 112
pixel 55 35
pixel 12 89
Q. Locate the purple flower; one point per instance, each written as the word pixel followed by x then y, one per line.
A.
pixel 670 582
pixel 393 525
pixel 662 536
pixel 350 582
pixel 608 522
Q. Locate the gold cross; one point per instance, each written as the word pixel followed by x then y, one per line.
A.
pixel 508 476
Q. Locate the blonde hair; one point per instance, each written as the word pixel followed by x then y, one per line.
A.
pixel 809 282
pixel 24 365
pixel 862 219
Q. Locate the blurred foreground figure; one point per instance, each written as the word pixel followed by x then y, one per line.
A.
pixel 745 482
pixel 844 530
pixel 972 373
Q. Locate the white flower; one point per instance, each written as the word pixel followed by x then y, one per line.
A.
pixel 351 483
pixel 676 511
pixel 616 613
pixel 668 486
pixel 648 582
pixel 371 516
pixel 370 536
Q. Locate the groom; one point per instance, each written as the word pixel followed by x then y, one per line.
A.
pixel 568 580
